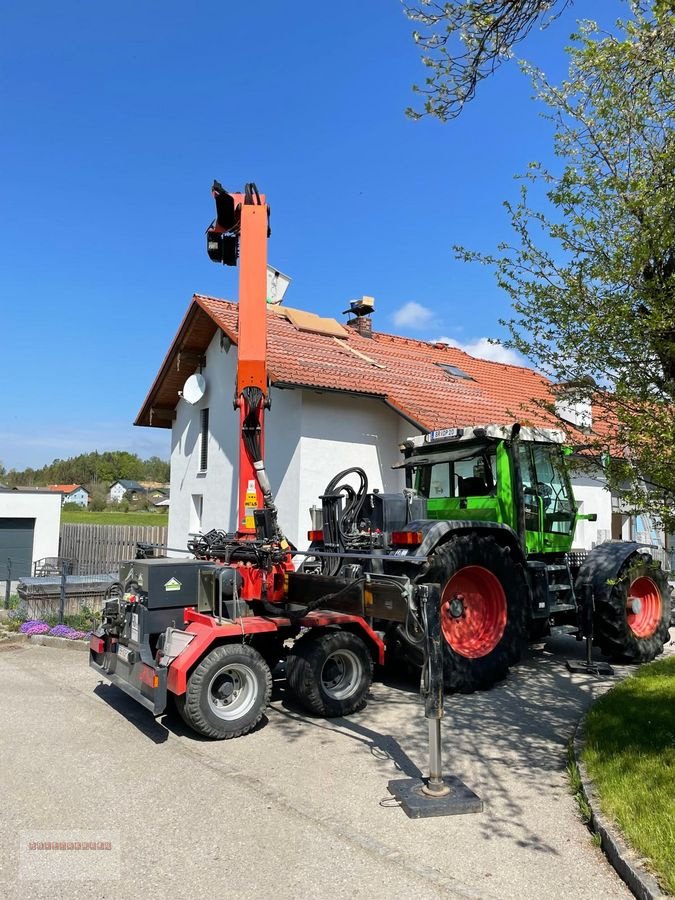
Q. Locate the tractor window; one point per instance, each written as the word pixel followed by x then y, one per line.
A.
pixel 472 477
pixel 530 496
pixel 553 487
pixel 439 483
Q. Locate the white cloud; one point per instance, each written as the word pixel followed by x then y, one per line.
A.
pixel 483 349
pixel 413 315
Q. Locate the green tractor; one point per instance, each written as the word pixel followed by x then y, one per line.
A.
pixel 489 514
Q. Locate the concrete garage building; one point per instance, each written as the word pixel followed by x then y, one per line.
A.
pixel 341 396
pixel 29 529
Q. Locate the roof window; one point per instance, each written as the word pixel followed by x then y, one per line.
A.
pixel 455 371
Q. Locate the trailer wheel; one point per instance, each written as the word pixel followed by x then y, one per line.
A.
pixel 632 619
pixel 227 693
pixel 483 613
pixel 330 673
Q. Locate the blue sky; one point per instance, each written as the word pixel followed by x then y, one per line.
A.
pixel 117 117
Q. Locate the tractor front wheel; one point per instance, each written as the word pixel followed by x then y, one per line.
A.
pixel 633 616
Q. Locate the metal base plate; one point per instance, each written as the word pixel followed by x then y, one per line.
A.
pixel 594 668
pixel 417 805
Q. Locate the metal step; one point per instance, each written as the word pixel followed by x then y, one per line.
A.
pixel 556 567
pixel 560 587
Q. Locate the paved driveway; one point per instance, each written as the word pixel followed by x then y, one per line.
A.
pixel 293 810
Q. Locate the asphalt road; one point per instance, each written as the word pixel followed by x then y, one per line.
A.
pixel 296 809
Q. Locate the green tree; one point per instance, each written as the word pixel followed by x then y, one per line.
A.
pixel 156 469
pixel 591 269
pixel 465 41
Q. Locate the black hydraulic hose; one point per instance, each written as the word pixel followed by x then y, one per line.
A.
pixel 341 507
pixel 254 398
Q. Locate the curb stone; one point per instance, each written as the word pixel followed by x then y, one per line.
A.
pixel 625 861
pixel 45 640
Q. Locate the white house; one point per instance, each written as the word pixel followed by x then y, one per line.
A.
pixel 341 396
pixel 119 489
pixel 72 493
pixel 29 529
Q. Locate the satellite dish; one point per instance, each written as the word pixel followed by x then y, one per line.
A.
pixel 277 284
pixel 194 389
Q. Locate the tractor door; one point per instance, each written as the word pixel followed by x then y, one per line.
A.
pixel 548 501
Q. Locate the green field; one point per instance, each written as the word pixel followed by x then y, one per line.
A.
pixel 630 755
pixel 84 517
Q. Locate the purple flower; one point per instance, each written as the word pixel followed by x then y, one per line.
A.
pixel 34 627
pixel 63 631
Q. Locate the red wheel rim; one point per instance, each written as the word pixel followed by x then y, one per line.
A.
pixel 643 607
pixel 473 612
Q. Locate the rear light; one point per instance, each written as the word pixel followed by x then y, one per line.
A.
pixel 97 644
pixel 406 538
pixel 315 535
pixel 130 598
pixel 149 676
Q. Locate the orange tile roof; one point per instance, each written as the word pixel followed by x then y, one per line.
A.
pixel 63 488
pixel 403 372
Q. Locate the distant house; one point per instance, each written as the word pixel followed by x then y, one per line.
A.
pixel 119 489
pixel 71 493
pixel 157 494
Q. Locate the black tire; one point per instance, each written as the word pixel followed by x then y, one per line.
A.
pixel 463 673
pixel 330 673
pixel 613 632
pixel 227 693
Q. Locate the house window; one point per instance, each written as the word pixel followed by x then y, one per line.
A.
pixel 204 444
pixel 196 513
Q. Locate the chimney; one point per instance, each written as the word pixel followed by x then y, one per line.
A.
pixel 360 312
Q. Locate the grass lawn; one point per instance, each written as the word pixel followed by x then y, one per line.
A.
pixel 84 517
pixel 630 755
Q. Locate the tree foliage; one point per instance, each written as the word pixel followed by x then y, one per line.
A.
pixel 93 469
pixel 465 41
pixel 591 269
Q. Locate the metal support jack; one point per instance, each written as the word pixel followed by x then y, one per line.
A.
pixel 590 666
pixel 434 796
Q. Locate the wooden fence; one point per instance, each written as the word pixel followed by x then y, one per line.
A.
pixel 101 548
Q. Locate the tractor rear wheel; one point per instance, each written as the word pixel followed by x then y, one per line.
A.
pixel 227 693
pixel 633 617
pixel 483 606
pixel 330 673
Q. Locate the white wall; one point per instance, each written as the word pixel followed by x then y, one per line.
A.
pixel 116 493
pixel 217 486
pixel 45 508
pixel 592 497
pixel 340 431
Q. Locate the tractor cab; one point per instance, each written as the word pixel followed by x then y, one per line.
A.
pixel 488 474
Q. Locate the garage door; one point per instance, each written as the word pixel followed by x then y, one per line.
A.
pixel 16 543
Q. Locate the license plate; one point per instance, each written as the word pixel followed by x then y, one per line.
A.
pixel 443 434
pixel 123 652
